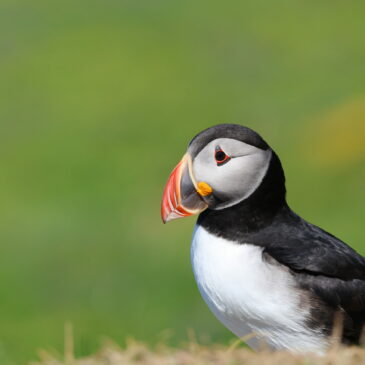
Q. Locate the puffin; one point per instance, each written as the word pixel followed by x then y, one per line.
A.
pixel 265 273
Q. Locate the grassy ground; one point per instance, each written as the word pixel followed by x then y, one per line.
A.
pixel 196 354
pixel 138 354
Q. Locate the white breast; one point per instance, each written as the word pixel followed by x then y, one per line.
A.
pixel 251 295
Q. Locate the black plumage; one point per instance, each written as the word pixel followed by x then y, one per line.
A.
pixel 330 272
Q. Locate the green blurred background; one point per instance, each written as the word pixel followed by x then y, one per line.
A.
pixel 98 100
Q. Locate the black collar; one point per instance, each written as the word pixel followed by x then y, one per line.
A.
pixel 258 211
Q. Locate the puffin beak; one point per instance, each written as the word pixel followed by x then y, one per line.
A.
pixel 180 197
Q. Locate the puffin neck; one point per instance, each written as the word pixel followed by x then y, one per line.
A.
pixel 252 214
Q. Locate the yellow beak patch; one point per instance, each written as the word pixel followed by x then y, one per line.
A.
pixel 204 189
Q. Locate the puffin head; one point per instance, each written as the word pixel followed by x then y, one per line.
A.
pixel 223 166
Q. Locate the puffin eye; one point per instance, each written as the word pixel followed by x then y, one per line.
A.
pixel 221 157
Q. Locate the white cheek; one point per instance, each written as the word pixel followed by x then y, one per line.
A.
pixel 206 169
pixel 237 179
pixel 247 173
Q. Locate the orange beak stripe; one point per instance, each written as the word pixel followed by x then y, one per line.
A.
pixel 172 206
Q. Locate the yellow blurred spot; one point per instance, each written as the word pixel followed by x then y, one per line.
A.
pixel 204 189
pixel 338 136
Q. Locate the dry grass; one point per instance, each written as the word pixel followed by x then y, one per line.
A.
pixel 136 353
pixel 139 354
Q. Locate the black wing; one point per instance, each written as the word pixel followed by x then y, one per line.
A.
pixel 325 266
pixel 305 247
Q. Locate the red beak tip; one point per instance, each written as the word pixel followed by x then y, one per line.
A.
pixel 172 207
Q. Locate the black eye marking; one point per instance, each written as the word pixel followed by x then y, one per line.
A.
pixel 221 157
